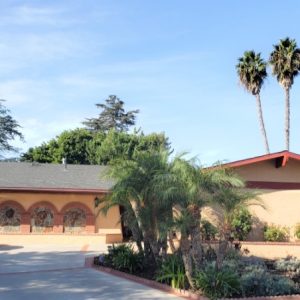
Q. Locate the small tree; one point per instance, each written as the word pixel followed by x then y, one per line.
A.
pixel 9 129
pixel 113 116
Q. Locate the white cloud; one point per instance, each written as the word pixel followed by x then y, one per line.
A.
pixel 21 91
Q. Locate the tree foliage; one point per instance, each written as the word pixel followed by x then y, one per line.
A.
pixel 251 69
pixel 112 116
pixel 9 129
pixel 285 62
pixel 80 146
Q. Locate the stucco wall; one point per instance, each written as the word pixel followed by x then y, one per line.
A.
pixel 266 171
pixel 107 225
pixel 281 208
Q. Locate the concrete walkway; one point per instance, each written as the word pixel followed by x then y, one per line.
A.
pixel 37 272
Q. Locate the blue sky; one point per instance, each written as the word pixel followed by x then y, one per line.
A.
pixel 173 60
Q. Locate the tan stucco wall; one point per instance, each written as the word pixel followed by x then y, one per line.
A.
pixel 104 224
pixel 266 171
pixel 282 207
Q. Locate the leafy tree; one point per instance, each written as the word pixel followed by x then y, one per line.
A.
pixel 285 62
pixel 113 116
pixel 73 146
pixel 9 129
pixel 80 146
pixel 251 69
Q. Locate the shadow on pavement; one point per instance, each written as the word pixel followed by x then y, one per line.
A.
pixel 9 247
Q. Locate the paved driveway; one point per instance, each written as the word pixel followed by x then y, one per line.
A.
pixel 37 272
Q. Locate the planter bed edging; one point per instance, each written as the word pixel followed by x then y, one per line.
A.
pixel 150 283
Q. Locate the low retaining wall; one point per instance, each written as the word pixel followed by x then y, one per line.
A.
pixel 272 250
pixel 269 250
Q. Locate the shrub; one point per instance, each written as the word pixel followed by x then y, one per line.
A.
pixel 274 233
pixel 241 224
pixel 297 231
pixel 217 284
pixel 122 258
pixel 208 230
pixel 290 265
pixel 172 272
pixel 256 281
pixel 233 254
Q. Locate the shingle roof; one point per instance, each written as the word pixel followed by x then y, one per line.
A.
pixel 20 175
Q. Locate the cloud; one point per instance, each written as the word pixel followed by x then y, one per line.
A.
pixel 36 131
pixel 21 91
pixel 32 15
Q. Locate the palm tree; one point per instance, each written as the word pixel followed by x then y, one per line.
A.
pixel 196 188
pixel 285 62
pixel 229 199
pixel 251 69
pixel 141 187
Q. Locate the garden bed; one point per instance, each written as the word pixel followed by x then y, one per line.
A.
pixel 241 275
pixel 168 289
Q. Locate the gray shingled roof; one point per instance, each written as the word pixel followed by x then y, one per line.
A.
pixel 52 176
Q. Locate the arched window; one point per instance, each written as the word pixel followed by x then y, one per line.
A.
pixel 74 220
pixel 10 219
pixel 42 219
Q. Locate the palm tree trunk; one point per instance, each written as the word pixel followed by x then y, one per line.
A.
pixel 287 118
pixel 137 237
pixel 150 239
pixel 196 237
pixel 223 245
pixel 185 247
pixel 262 124
pixel 171 242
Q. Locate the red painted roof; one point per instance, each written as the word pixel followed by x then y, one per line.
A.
pixel 280 157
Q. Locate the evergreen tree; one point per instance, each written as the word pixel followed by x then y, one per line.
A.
pixel 113 116
pixel 9 129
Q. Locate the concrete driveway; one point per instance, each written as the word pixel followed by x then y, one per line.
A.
pixel 39 272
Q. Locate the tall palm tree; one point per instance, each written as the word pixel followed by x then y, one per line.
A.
pixel 285 62
pixel 251 69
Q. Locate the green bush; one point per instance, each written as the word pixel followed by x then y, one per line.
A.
pixel 257 281
pixel 297 231
pixel 241 224
pixel 208 230
pixel 123 258
pixel 217 284
pixel 172 272
pixel 274 233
